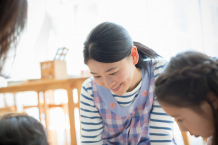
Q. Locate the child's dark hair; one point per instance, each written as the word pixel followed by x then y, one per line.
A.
pixel 109 42
pixel 21 129
pixel 187 80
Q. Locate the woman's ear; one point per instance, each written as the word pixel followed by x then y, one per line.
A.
pixel 135 55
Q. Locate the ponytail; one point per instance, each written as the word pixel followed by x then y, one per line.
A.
pixel 144 53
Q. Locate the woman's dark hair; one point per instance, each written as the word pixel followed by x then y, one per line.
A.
pixel 13 15
pixel 187 80
pixel 109 42
pixel 21 129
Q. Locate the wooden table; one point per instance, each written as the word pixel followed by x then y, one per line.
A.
pixel 43 85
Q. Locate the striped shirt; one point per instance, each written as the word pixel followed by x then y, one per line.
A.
pixel 92 125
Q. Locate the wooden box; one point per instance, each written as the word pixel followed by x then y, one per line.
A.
pixel 55 69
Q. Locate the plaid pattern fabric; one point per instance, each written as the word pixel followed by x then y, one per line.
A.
pixel 126 125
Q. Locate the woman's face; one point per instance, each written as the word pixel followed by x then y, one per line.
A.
pixel 197 124
pixel 117 76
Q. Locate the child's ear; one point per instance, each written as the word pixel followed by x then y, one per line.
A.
pixel 213 99
pixel 135 55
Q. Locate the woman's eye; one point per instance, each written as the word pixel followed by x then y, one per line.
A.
pixel 113 73
pixel 96 77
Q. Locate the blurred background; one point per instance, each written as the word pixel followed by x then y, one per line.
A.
pixel 167 26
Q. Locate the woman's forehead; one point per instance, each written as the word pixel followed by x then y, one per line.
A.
pixel 96 66
pixel 94 62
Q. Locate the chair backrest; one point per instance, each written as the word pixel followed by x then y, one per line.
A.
pixel 184 135
pixel 186 138
pixel 6 110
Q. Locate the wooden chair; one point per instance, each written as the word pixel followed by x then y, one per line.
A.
pixel 44 108
pixel 65 109
pixel 186 138
pixel 8 109
pixel 39 106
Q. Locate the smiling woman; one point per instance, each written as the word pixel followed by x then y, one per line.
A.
pixel 117 105
pixel 116 76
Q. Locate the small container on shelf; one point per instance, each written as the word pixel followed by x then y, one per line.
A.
pixel 55 69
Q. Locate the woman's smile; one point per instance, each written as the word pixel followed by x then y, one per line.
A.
pixel 115 89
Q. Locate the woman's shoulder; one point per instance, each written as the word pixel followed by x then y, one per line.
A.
pixel 159 62
pixel 87 83
pixel 158 66
pixel 86 90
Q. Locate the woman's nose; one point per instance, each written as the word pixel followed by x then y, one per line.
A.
pixel 108 83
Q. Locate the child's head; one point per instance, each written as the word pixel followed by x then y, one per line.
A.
pixel 21 129
pixel 188 91
pixel 113 57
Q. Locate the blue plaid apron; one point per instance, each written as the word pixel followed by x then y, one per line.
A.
pixel 126 125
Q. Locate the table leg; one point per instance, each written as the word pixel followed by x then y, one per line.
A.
pixel 71 107
pixel 39 106
pixel 15 101
pixel 47 115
